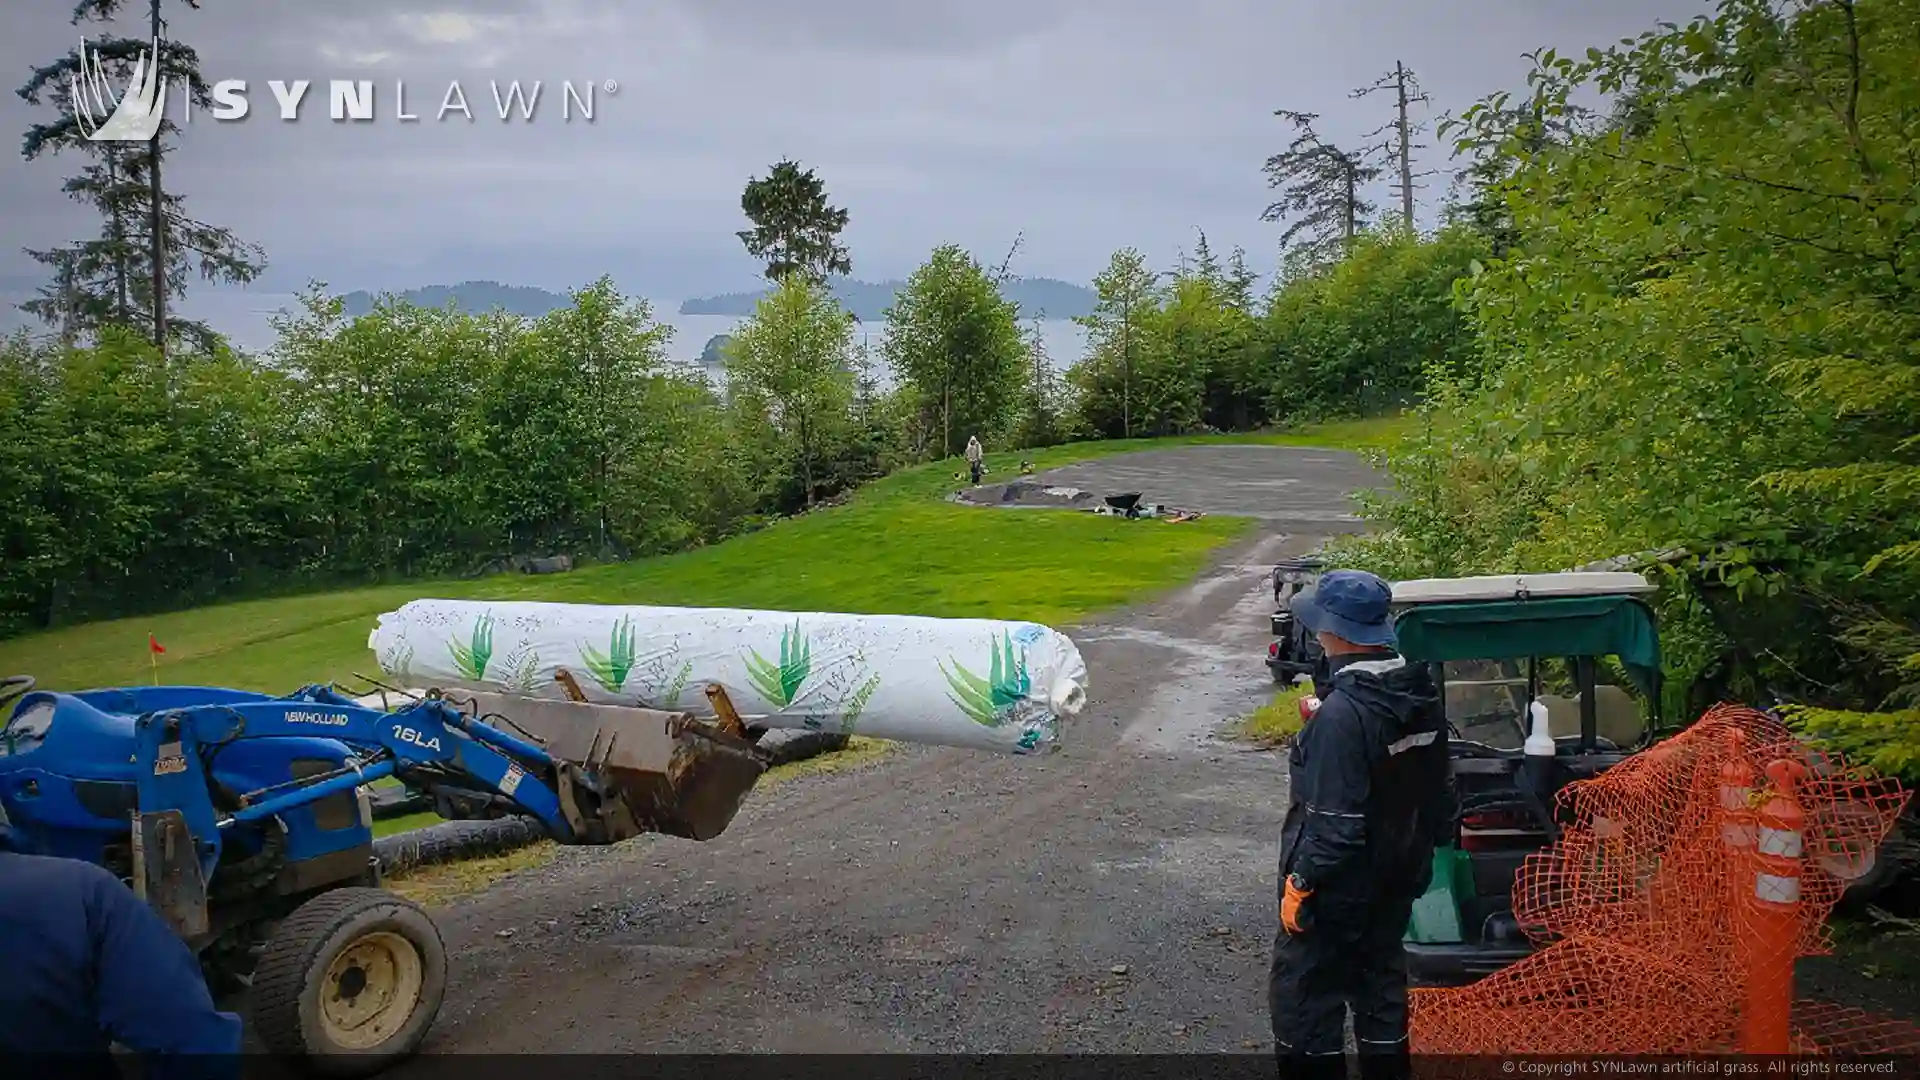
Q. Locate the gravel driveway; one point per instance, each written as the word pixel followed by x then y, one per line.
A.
pixel 1116 897
pixel 1279 484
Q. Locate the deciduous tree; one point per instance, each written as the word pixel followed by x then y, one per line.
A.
pixel 1702 339
pixel 795 357
pixel 1117 342
pixel 955 340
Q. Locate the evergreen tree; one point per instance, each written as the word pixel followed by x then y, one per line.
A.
pixel 1205 266
pixel 795 228
pixel 1400 147
pixel 1322 191
pixel 1238 285
pixel 148 246
pixel 1042 401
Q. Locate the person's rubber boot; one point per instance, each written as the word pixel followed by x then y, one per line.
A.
pixel 1396 1065
pixel 1312 1066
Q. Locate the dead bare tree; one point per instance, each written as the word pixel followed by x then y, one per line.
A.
pixel 1005 273
pixel 1400 149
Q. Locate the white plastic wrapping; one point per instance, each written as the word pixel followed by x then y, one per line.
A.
pixel 972 683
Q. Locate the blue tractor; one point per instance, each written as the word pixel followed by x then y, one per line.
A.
pixel 243 820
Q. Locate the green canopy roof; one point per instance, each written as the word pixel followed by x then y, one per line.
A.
pixel 1619 626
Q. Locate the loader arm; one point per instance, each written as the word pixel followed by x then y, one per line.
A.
pixel 172 748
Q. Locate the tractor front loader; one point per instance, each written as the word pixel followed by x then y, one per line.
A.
pixel 242 819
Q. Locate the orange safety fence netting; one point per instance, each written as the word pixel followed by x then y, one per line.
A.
pixel 1668 913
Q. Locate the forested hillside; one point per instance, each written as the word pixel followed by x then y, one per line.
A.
pixel 1699 339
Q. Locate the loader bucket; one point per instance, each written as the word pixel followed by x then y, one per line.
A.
pixel 627 771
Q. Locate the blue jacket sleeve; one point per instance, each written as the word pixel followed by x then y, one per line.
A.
pixel 149 993
pixel 1335 779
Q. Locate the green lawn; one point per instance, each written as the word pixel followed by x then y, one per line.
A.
pixel 406 823
pixel 1278 721
pixel 896 547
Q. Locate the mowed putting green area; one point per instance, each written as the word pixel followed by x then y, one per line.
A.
pixel 895 548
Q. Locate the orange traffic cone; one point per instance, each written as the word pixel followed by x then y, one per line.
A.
pixel 1773 921
pixel 1736 812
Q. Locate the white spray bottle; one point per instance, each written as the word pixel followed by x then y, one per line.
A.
pixel 1539 749
pixel 1540 737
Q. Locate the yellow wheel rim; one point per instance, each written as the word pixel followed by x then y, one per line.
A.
pixel 370 990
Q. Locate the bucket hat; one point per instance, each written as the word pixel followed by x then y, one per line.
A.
pixel 1350 604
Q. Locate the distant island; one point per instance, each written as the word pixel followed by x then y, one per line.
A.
pixel 714 355
pixel 1037 297
pixel 471 296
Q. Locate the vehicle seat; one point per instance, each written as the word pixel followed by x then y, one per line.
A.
pixel 1616 715
pixel 1484 712
pixel 1563 715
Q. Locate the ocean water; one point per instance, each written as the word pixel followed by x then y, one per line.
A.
pixel 245 317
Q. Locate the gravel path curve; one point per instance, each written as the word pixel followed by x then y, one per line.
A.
pixel 1115 897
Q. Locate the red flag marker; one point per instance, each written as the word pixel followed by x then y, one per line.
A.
pixel 154 649
pixel 155 645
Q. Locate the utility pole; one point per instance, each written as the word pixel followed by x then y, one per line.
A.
pixel 158 249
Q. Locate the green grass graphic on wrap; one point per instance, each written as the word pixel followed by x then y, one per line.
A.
pixel 858 704
pixel 471 658
pixel 781 683
pixel 676 688
pixel 522 668
pixel 611 668
pixel 988 701
pixel 398 661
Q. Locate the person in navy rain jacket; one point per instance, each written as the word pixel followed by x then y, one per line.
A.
pixel 1371 796
pixel 88 965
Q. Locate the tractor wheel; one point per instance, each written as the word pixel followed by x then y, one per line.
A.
pixel 350 982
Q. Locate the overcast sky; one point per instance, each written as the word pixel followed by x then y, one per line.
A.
pixel 1088 124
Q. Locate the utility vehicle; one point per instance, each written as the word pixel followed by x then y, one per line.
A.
pixel 1294 654
pixel 1584 645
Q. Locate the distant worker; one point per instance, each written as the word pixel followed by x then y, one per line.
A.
pixel 1370 798
pixel 89 965
pixel 976 464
